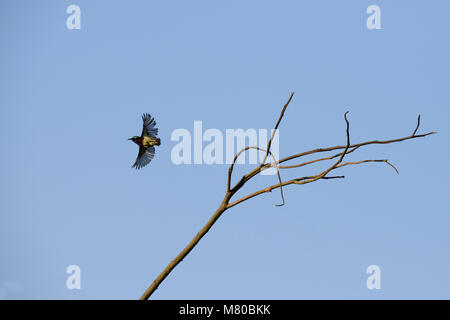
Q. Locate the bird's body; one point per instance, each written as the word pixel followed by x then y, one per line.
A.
pixel 146 141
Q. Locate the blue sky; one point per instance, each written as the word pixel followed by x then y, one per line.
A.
pixel 69 99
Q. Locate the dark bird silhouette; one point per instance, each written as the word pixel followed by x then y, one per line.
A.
pixel 146 141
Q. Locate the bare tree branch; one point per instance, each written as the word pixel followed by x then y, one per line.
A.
pixel 354 145
pixel 231 191
pixel 302 180
pixel 316 160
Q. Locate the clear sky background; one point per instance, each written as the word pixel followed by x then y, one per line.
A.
pixel 69 99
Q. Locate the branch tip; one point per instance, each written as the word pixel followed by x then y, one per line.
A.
pixel 396 170
pixel 417 127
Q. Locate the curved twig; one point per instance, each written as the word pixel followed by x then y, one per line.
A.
pixel 230 170
pixel 365 161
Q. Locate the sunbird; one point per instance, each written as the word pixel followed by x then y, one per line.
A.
pixel 146 141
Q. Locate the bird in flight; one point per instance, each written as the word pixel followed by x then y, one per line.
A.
pixel 146 141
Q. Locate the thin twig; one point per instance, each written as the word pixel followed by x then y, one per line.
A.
pixel 417 127
pixel 269 144
pixel 365 161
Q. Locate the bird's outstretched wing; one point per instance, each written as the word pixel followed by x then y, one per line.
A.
pixel 149 124
pixel 144 157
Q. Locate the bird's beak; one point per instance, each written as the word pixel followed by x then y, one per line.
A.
pixel 130 139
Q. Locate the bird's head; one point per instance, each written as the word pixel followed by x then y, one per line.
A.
pixel 134 139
